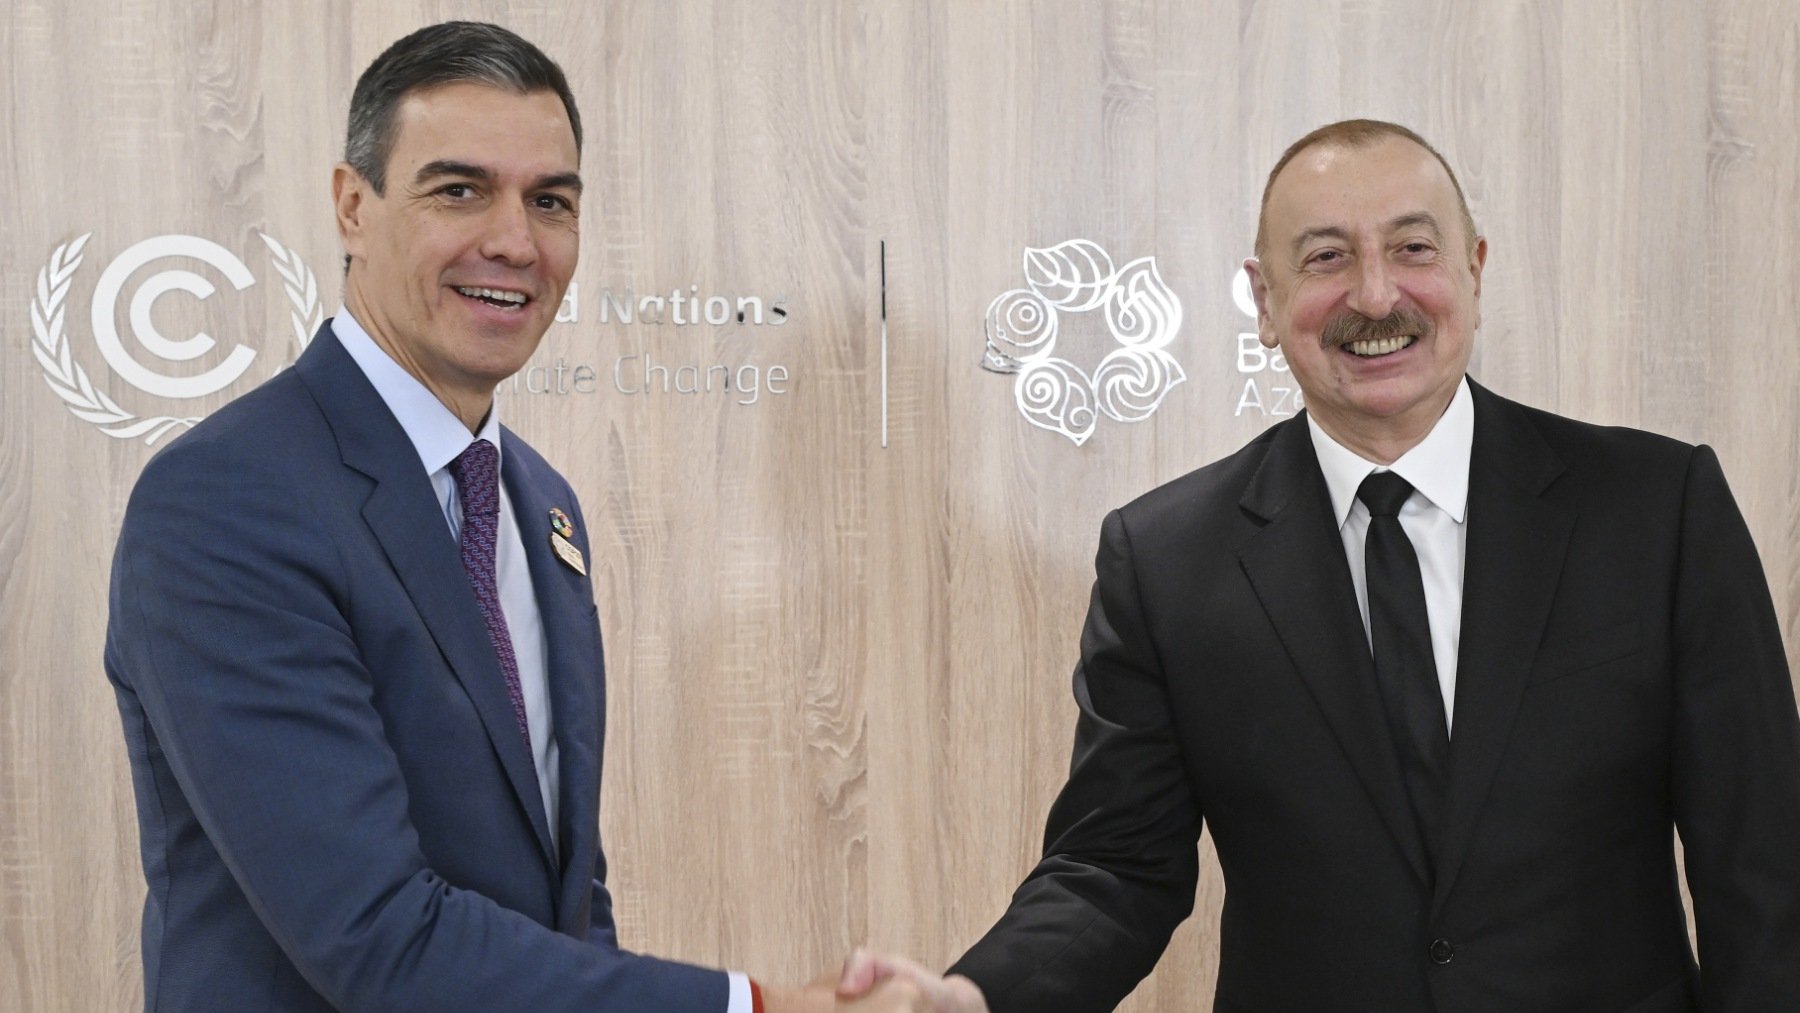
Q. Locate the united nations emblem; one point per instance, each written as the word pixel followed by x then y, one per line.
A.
pixel 70 381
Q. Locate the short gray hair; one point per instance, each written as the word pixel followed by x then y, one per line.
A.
pixel 450 53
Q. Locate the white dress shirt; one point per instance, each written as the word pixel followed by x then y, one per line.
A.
pixel 439 437
pixel 1434 518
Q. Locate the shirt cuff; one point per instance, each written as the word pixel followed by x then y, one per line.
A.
pixel 738 990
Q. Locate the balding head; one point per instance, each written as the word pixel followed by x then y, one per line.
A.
pixel 1356 134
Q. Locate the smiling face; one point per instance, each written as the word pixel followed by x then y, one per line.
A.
pixel 1370 284
pixel 458 269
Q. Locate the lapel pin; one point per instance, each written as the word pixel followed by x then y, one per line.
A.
pixel 561 530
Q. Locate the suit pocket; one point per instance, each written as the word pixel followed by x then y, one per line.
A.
pixel 1584 652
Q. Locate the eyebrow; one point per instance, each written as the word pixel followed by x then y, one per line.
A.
pixel 1413 219
pixel 1417 219
pixel 560 181
pixel 1321 232
pixel 451 167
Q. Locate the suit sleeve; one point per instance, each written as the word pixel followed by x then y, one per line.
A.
pixel 1120 865
pixel 1736 762
pixel 228 627
pixel 602 930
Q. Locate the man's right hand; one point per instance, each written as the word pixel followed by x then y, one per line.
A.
pixel 868 974
pixel 874 983
pixel 895 995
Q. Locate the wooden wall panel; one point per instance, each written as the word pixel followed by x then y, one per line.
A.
pixel 839 670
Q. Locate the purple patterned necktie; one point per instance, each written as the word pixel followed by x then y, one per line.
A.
pixel 478 487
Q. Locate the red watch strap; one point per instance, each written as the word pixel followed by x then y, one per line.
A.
pixel 756 1005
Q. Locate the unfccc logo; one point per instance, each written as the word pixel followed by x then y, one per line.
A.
pixel 70 381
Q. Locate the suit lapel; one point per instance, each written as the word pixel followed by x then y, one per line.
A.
pixel 402 511
pixel 1514 556
pixel 572 667
pixel 1296 566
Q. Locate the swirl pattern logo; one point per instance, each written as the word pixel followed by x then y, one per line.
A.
pixel 70 381
pixel 1142 315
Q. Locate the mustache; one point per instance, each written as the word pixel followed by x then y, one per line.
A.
pixel 1353 326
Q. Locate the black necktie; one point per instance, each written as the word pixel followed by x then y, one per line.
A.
pixel 1401 637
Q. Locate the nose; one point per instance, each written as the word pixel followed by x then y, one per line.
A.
pixel 508 236
pixel 1373 293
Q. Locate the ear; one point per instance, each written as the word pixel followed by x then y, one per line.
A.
pixel 1477 261
pixel 350 195
pixel 1259 290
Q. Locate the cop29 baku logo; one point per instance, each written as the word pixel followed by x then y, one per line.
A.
pixel 89 402
pixel 1142 318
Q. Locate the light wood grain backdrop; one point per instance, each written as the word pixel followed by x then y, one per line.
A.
pixel 839 671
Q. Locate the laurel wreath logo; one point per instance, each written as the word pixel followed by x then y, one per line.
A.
pixel 70 381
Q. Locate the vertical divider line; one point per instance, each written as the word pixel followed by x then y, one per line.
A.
pixel 884 348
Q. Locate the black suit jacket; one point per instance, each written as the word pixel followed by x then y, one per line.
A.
pixel 1620 675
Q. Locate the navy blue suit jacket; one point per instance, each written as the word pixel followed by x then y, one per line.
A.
pixel 335 806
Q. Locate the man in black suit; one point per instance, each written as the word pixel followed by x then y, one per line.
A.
pixel 1443 674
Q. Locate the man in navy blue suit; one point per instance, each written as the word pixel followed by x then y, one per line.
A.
pixel 352 635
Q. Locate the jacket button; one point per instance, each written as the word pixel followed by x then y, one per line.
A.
pixel 1442 952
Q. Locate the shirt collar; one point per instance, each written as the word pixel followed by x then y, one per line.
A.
pixel 1438 468
pixel 437 435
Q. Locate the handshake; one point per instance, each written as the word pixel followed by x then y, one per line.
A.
pixel 879 984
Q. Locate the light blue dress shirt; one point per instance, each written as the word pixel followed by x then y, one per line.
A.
pixel 439 437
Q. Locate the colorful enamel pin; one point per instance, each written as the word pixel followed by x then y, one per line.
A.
pixel 561 530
